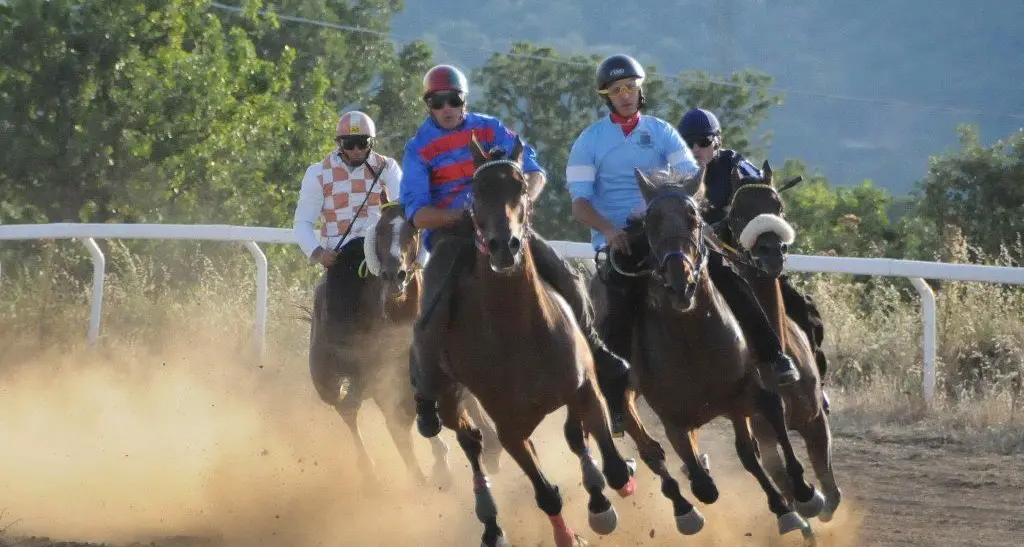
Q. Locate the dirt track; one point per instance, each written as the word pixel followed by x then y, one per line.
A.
pixel 181 456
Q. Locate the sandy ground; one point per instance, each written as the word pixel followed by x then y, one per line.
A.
pixel 190 447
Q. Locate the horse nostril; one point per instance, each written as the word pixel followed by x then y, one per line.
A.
pixel 514 244
pixel 493 245
pixel 401 276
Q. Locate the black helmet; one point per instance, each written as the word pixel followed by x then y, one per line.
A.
pixel 618 67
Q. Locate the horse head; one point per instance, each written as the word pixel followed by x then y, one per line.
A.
pixel 756 220
pixel 501 206
pixel 674 229
pixel 391 248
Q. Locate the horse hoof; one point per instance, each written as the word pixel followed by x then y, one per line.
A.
pixel 442 478
pixel 705 461
pixel 501 541
pixel 629 489
pixel 705 490
pixel 690 523
pixel 791 522
pixel 812 507
pixel 605 522
pixel 566 538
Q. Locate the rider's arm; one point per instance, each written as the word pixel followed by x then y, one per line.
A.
pixel 311 203
pixel 580 175
pixel 415 194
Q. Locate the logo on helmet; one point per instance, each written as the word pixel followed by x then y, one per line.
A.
pixel 355 129
pixel 617 71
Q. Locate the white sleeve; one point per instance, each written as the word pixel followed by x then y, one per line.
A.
pixel 392 179
pixel 307 212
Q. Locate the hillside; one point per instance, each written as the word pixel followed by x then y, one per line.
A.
pixel 854 72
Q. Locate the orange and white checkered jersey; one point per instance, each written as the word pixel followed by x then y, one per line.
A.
pixel 332 193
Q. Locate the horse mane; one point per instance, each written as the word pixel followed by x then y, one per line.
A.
pixel 370 246
pixel 750 188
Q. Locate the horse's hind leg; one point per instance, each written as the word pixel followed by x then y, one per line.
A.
pixel 746 448
pixel 589 406
pixel 808 500
pixel 492 447
pixel 818 438
pixel 603 518
pixel 547 495
pixel 399 420
pixel 469 439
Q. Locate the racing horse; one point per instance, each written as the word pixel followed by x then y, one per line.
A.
pixel 513 342
pixel 361 323
pixel 762 236
pixel 691 362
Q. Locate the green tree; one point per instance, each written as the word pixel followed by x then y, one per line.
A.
pixel 977 189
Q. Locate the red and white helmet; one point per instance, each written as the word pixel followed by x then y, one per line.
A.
pixel 355 123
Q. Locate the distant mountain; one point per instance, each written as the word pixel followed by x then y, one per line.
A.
pixel 869 83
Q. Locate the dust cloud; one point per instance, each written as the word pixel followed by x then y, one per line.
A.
pixel 197 443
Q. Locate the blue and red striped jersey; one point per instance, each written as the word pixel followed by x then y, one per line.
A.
pixel 437 168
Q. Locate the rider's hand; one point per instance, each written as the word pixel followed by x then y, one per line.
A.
pixel 325 257
pixel 618 241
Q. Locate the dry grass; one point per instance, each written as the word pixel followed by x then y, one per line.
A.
pixel 873 330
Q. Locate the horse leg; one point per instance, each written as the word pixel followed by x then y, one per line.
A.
pixel 701 483
pixel 603 518
pixel 768 450
pixel 492 447
pixel 746 448
pixel 689 520
pixel 809 501
pixel 590 408
pixel 818 438
pixel 349 412
pixel 469 439
pixel 549 499
pixel 399 421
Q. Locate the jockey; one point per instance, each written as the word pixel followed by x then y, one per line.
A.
pixel 438 171
pixel 343 191
pixel 605 196
pixel 703 134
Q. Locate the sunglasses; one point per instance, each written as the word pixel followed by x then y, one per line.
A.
pixel 703 142
pixel 438 100
pixel 351 143
pixel 621 89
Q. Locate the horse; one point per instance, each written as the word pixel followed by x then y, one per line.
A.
pixel 692 365
pixel 762 235
pixel 362 317
pixel 513 342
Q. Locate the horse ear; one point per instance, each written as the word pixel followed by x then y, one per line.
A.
pixel 694 186
pixel 647 188
pixel 737 179
pixel 517 151
pixel 766 174
pixel 479 156
pixel 384 197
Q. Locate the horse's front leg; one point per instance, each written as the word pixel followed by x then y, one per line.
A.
pixel 689 520
pixel 809 501
pixel 350 414
pixel 492 447
pixel 701 483
pixel 455 418
pixel 746 447
pixel 818 438
pixel 549 499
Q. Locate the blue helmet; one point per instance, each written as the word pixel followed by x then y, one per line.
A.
pixel 698 122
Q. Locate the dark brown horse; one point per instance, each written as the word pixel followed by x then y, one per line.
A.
pixel 762 234
pixel 359 340
pixel 513 342
pixel 692 364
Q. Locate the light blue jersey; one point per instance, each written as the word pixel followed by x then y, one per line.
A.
pixel 602 159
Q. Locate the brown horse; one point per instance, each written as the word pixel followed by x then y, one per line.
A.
pixel 762 234
pixel 692 364
pixel 514 343
pixel 359 340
